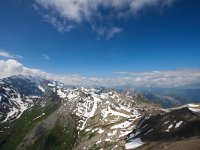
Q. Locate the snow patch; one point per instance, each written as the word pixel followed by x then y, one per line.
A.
pixel 178 124
pixel 52 84
pixel 149 131
pixel 194 109
pixel 169 127
pixel 193 105
pixel 134 143
pixel 92 112
pixel 107 139
pixel 61 93
pixel 100 131
pixel 17 111
pixel 166 122
pixel 71 95
pixel 122 125
pixel 39 116
pixel 112 133
pixel 98 142
pixel 41 88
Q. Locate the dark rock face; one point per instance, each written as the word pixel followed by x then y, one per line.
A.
pixel 172 126
pixel 24 85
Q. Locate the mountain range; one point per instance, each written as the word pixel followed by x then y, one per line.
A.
pixel 37 114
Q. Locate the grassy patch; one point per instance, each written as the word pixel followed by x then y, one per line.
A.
pixel 95 147
pixel 11 138
pixel 91 135
pixel 108 144
pixel 56 139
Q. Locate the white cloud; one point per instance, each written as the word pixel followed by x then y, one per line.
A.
pixel 65 14
pixel 12 67
pixel 172 78
pixel 6 54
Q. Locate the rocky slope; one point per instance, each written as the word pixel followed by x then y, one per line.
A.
pixel 167 130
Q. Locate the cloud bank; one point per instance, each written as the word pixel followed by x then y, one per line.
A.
pixel 66 14
pixel 186 78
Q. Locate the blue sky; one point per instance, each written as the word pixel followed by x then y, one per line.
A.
pixel 159 36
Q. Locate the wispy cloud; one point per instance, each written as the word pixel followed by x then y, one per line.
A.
pixel 113 32
pixel 107 32
pixel 19 56
pixel 189 78
pixel 6 54
pixel 45 56
pixel 66 14
pixel 60 25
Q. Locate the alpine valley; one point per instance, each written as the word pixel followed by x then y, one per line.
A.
pixel 38 114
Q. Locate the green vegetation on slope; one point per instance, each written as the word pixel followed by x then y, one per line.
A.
pixel 11 138
pixel 57 138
